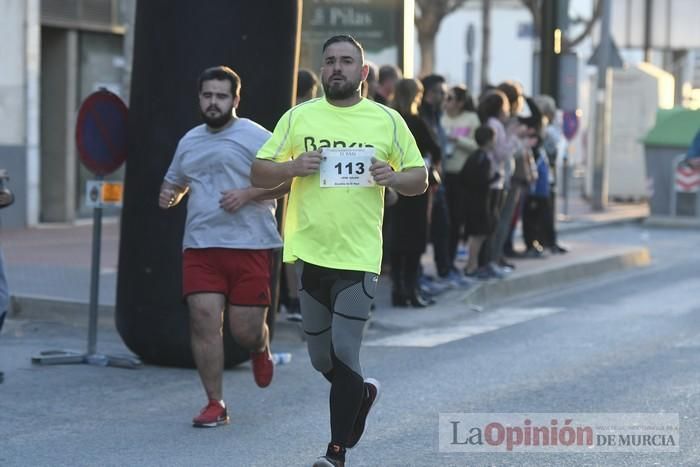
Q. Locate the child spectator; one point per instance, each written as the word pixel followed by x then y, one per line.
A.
pixel 536 210
pixel 480 213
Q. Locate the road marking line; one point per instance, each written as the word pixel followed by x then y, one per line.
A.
pixel 482 323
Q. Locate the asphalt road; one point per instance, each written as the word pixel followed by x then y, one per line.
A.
pixel 623 343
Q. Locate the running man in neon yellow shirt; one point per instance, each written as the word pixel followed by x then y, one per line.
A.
pixel 341 151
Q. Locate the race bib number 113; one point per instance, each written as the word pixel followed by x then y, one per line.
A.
pixel 343 167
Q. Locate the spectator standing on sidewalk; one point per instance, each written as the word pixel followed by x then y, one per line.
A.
pixel 333 228
pixel 551 144
pixel 430 111
pixel 523 180
pixel 494 111
pixel 369 86
pixel 459 121
pixel 4 299
pixel 307 88
pixel 476 176
pixel 386 81
pixel 229 232
pixel 517 173
pixel 307 85
pixel 536 206
pixel 409 230
pixel 692 157
pixel 6 199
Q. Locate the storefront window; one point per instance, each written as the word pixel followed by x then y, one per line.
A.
pixel 376 24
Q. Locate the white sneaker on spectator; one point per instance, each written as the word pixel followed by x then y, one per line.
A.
pixel 457 279
pixel 497 271
pixel 432 286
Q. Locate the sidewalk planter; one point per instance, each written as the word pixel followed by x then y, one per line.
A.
pixel 664 144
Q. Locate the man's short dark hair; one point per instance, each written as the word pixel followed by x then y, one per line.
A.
pixel 306 80
pixel 221 73
pixel 430 81
pixel 483 135
pixel 372 72
pixel 387 72
pixel 345 38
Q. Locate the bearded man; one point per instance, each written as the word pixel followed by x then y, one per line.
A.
pixel 341 152
pixel 229 234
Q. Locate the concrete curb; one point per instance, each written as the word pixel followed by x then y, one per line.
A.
pixel 456 305
pixel 673 222
pixel 552 277
pixel 451 303
pixel 568 227
pixel 57 309
pixel 78 313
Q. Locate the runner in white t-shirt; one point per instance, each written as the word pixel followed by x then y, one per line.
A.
pixel 229 233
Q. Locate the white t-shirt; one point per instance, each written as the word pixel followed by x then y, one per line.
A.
pixel 210 163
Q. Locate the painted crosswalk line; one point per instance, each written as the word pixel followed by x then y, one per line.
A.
pixel 480 324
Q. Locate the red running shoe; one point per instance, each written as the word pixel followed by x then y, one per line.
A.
pixel 214 414
pixel 263 367
pixel 372 388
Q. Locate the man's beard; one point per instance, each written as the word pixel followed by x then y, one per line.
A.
pixel 218 122
pixel 342 91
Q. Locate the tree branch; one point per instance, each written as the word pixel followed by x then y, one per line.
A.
pixel 534 6
pixel 597 10
pixel 429 15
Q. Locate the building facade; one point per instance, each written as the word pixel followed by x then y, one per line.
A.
pixel 60 52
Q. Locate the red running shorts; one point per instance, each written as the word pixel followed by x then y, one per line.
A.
pixel 242 276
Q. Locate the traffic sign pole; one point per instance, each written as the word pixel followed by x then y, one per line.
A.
pixel 565 180
pixel 101 142
pixel 95 276
pixel 570 127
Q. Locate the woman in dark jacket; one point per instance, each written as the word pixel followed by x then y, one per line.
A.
pixel 409 229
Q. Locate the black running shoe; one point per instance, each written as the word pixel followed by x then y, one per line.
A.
pixel 335 456
pixel 328 462
pixel 372 389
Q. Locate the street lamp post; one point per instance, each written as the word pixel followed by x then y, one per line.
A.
pixel 600 182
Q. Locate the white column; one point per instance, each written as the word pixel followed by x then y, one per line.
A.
pixel 32 67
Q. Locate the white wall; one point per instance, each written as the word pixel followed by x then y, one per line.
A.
pixel 32 54
pixel 12 108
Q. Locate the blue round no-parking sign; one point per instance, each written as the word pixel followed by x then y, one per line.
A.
pixel 101 132
pixel 570 124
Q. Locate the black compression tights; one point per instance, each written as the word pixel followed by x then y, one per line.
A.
pixel 335 305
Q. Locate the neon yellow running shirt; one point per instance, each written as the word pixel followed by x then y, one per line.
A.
pixel 338 227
